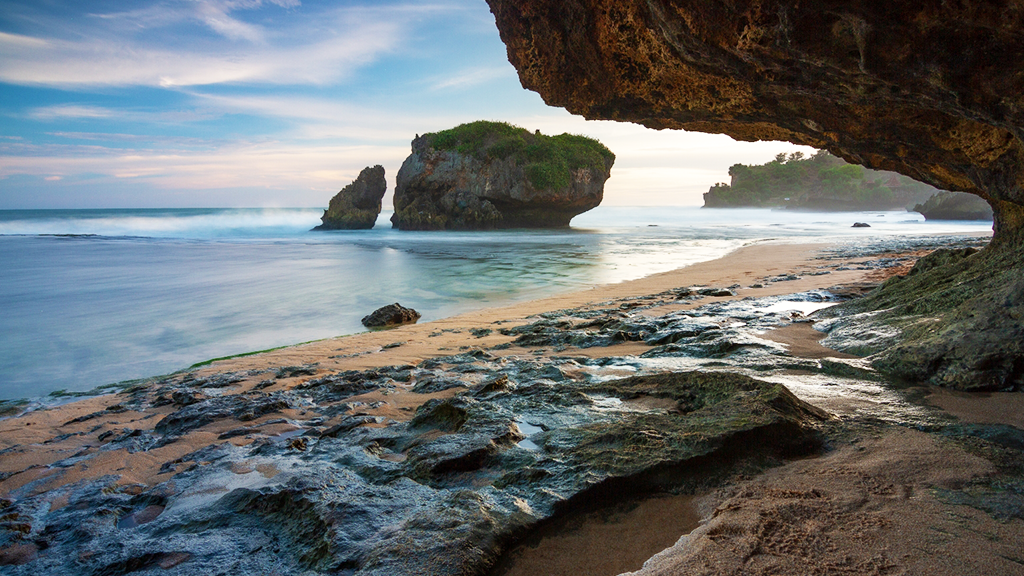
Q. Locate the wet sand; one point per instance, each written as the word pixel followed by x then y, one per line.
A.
pixel 867 507
pixel 37 439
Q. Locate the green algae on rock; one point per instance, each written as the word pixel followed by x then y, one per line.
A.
pixel 443 494
pixel 356 206
pixel 485 175
pixel 956 320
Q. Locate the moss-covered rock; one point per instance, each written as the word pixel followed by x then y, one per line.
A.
pixel 955 320
pixel 484 175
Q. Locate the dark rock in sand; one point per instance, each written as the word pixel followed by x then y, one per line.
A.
pixel 390 315
pixel 861 225
pixel 930 90
pixel 357 205
pixel 954 206
pixel 486 175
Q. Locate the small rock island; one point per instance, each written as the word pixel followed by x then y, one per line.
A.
pixel 357 205
pixel 486 175
pixel 955 206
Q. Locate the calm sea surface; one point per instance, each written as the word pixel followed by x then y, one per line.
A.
pixel 90 297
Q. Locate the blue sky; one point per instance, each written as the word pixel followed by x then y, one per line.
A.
pixel 236 103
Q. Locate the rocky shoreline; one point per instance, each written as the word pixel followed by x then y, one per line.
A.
pixel 436 448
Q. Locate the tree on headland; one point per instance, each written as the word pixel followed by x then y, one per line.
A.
pixel 821 181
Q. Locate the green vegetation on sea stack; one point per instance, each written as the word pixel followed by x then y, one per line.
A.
pixel 546 160
pixel 820 182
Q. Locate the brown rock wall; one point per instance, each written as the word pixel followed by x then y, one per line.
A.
pixel 934 90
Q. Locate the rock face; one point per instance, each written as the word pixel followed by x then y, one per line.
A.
pixel 357 205
pixel 933 90
pixel 487 175
pixel 390 315
pixel 954 206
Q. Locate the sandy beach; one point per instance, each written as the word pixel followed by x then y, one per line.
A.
pixel 881 498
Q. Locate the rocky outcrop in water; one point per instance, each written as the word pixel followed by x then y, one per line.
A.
pixel 486 175
pixel 357 205
pixel 954 206
pixel 933 90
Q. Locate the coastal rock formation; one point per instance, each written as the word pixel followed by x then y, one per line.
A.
pixel 487 175
pixel 357 205
pixel 933 90
pixel 351 464
pixel 954 206
pixel 440 491
pixel 390 315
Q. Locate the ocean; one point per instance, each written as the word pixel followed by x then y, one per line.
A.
pixel 92 297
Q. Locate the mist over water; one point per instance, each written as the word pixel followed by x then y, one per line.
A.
pixel 90 297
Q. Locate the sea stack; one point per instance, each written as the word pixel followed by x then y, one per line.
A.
pixel 486 175
pixel 357 205
pixel 955 206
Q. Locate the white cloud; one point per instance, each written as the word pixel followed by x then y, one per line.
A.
pixel 20 41
pixel 342 41
pixel 69 111
pixel 220 22
pixel 321 118
pixel 67 63
pixel 303 174
pixel 473 77
pixel 215 14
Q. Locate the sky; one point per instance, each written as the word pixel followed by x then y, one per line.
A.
pixel 279 103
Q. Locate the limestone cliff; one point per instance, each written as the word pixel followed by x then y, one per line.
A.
pixel 493 175
pixel 356 206
pixel 931 89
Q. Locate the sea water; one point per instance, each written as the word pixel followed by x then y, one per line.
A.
pixel 90 297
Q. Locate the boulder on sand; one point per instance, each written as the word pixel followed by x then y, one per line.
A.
pixel 390 315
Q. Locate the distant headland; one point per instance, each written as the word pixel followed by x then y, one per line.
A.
pixel 819 182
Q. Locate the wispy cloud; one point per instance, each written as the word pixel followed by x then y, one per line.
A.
pixel 65 111
pixel 304 174
pixel 215 14
pixel 67 63
pixel 314 49
pixel 217 18
pixel 322 118
pixel 473 77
